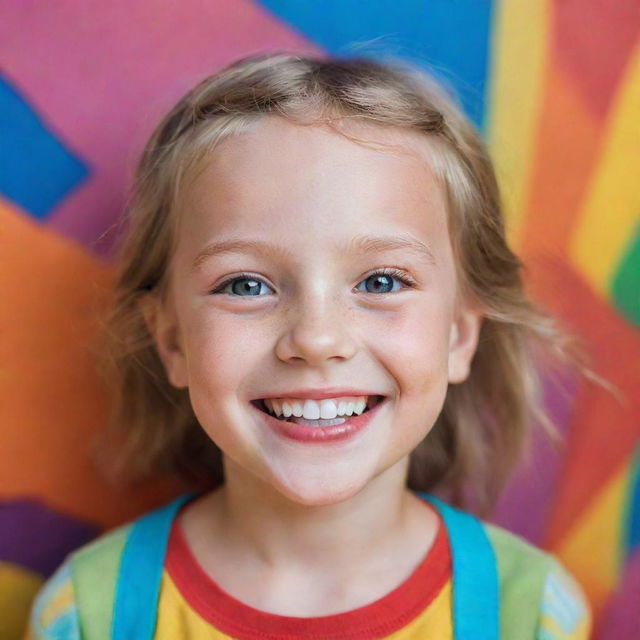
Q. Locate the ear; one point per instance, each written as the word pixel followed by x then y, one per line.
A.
pixel 162 323
pixel 463 341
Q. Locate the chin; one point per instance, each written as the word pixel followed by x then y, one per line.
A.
pixel 317 494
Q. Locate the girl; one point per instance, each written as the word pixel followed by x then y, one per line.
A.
pixel 318 317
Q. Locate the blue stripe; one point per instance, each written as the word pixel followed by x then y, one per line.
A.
pixel 138 587
pixel 476 602
pixel 36 170
pixel 631 517
pixel 449 39
pixel 476 611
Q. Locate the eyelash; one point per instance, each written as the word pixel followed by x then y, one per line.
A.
pixel 387 271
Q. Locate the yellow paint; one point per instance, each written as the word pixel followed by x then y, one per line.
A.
pixel 612 204
pixel 590 550
pixel 18 587
pixel 519 58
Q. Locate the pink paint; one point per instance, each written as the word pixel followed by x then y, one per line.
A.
pixel 621 617
pixel 102 75
pixel 526 504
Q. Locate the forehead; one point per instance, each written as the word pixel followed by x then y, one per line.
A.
pixel 283 179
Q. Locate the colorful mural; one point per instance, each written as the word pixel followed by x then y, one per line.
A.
pixel 555 88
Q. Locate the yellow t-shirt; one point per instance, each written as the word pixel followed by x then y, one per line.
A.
pixel 193 607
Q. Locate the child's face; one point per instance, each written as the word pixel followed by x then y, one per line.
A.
pixel 308 314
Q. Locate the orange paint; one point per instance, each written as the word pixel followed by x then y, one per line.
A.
pixel 568 147
pixel 602 430
pixel 53 403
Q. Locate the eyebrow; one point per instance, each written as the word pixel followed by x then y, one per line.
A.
pixel 359 244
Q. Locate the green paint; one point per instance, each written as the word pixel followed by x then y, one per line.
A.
pixel 625 285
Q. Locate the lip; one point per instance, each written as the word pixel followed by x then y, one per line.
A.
pixel 320 435
pixel 321 394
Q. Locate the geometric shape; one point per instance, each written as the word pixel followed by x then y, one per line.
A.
pixel 598 527
pixel 519 52
pixel 524 506
pixel 593 41
pixel 621 619
pixel 53 403
pixel 612 202
pixel 568 144
pixel 106 77
pixel 631 540
pixel 18 588
pixel 22 523
pixel 604 425
pixel 625 284
pixel 36 170
pixel 450 39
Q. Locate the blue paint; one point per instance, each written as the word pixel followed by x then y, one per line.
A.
pixel 632 541
pixel 449 38
pixel 36 170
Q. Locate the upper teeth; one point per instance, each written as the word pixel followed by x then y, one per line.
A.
pixel 315 409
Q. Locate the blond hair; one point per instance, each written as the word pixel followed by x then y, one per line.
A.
pixel 487 420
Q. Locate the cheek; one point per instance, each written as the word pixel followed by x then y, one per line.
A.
pixel 221 355
pixel 221 352
pixel 414 347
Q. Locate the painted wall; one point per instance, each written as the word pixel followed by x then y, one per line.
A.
pixel 554 86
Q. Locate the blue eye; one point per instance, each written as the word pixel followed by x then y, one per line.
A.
pixel 382 281
pixel 248 286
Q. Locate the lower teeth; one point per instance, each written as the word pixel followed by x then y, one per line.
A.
pixel 316 423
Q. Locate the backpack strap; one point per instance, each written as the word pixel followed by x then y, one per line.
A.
pixel 476 601
pixel 143 545
pixel 138 583
pixel 94 574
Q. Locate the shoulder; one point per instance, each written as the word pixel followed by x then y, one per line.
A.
pixel 534 579
pixel 105 547
pixel 515 554
pixel 564 612
pixel 54 613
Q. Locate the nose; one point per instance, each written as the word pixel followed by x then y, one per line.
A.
pixel 317 331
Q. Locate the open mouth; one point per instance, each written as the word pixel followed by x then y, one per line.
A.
pixel 372 401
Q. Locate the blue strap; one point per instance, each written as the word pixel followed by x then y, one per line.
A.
pixel 137 591
pixel 476 602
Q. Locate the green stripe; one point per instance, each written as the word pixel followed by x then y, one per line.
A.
pixel 95 572
pixel 625 286
pixel 522 570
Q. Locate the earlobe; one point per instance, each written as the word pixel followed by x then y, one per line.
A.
pixel 162 324
pixel 463 343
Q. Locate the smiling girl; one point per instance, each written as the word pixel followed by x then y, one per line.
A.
pixel 317 315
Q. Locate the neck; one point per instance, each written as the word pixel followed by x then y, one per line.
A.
pixel 279 532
